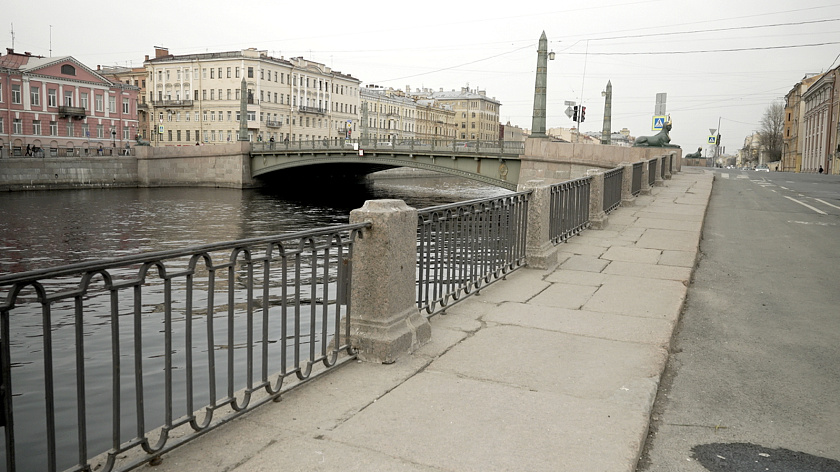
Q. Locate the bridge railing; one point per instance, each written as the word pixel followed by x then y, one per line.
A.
pixel 465 246
pixel 612 188
pixel 105 364
pixel 636 186
pixel 403 145
pixel 569 209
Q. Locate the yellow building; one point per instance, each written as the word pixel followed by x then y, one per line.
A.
pixel 476 114
pixel 135 76
pixel 195 98
pixel 794 114
pixel 386 115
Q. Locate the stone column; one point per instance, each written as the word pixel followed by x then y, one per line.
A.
pixel 384 321
pixel 627 197
pixel 540 252
pixel 597 217
pixel 666 161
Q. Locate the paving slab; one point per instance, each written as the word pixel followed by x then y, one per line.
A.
pixel 653 271
pixel 584 263
pixel 632 254
pixel 639 296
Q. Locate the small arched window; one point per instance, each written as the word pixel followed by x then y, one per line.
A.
pixel 67 69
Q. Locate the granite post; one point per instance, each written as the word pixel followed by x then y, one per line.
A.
pixel 540 252
pixel 597 217
pixel 384 321
pixel 627 197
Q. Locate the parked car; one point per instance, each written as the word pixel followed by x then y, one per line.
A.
pixel 762 168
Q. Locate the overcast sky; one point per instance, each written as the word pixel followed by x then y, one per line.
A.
pixel 717 61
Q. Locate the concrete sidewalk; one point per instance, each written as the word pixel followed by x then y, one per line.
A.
pixel 547 370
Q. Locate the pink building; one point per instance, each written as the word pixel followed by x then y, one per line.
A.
pixel 57 106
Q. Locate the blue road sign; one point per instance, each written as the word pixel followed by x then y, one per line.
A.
pixel 658 122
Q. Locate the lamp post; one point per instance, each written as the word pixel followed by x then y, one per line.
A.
pixel 113 140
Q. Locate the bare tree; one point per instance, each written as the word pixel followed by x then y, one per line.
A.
pixel 770 136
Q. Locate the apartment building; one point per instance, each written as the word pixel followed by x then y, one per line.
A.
pixel 196 98
pixel 476 114
pixel 435 121
pixel 57 106
pixel 820 125
pixel 135 76
pixel 387 114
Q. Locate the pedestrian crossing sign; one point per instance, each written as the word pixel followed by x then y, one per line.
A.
pixel 659 122
pixel 712 139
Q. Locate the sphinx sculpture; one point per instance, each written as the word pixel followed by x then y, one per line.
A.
pixel 694 155
pixel 660 139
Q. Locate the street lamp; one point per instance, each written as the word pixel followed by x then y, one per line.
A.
pixel 113 138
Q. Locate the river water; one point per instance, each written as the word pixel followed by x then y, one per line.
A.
pixel 52 228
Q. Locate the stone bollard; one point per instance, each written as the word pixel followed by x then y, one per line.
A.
pixel 540 252
pixel 666 161
pixel 627 197
pixel 384 320
pixel 597 217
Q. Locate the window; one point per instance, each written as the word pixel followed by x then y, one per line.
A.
pixel 36 127
pixel 68 98
pixel 228 72
pixel 250 72
pixel 16 93
pixel 70 129
pixel 84 100
pixel 1 93
pixel 228 94
pixel 100 131
pixel 17 126
pixel 53 128
pixel 212 75
pixel 220 72
pixel 98 101
pixel 35 96
pixel 212 94
pixel 85 130
pixel 67 69
pixel 204 94
pixel 237 72
pixel 112 104
pixel 125 106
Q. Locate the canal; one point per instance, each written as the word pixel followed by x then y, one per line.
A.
pixel 52 228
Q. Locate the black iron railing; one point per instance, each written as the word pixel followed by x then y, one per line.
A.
pixel 465 246
pixel 569 209
pixel 636 185
pixel 612 188
pixel 106 365
pixel 651 172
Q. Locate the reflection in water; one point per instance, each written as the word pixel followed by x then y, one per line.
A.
pixel 47 229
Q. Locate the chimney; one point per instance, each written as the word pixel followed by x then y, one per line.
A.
pixel 147 57
pixel 161 52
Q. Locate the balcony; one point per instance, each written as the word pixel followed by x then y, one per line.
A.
pixel 72 112
pixel 316 110
pixel 172 103
pixel 273 124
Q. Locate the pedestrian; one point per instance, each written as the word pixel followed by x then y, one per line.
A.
pixel 127 149
pixel 271 142
pixel 100 151
pixel 28 150
pixel 821 169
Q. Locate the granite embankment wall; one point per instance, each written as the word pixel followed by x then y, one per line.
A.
pixel 555 162
pixel 225 165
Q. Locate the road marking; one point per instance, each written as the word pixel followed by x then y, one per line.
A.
pixel 818 223
pixel 742 176
pixel 806 205
pixel 826 203
pixel 725 176
pixel 783 188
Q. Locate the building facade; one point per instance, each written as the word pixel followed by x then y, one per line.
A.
pixel 387 115
pixel 57 106
pixel 476 114
pixel 820 125
pixel 434 121
pixel 196 98
pixel 135 76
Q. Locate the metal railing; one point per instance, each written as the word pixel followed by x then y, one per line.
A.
pixel 651 172
pixel 569 209
pixel 514 148
pixel 465 246
pixel 107 365
pixel 636 184
pixel 662 169
pixel 612 189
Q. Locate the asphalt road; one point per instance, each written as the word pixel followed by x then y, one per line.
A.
pixel 753 381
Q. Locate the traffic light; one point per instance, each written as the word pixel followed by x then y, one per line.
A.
pixel 582 114
pixel 574 113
